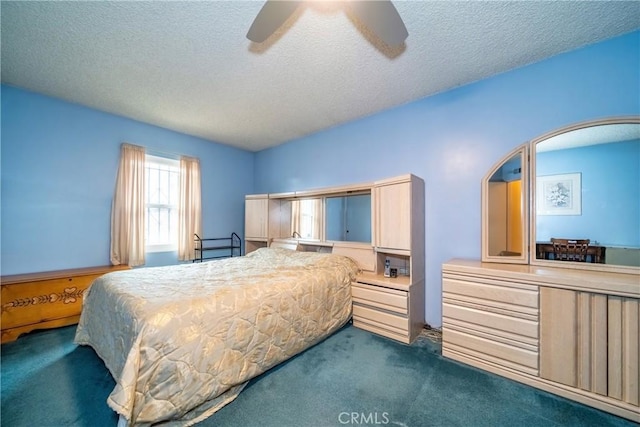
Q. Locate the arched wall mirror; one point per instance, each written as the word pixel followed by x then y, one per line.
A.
pixel 583 188
pixel 586 209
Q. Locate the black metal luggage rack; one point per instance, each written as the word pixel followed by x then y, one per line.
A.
pixel 217 244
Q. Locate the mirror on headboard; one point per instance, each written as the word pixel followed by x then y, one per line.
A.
pixel 504 203
pixel 587 191
pixel 306 218
pixel 348 218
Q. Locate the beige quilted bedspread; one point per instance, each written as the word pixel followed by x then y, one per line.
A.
pixel 182 341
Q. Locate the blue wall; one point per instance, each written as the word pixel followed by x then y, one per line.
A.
pixel 452 139
pixel 59 160
pixel 610 178
pixel 59 166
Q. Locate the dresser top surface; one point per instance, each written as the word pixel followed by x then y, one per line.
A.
pixel 592 281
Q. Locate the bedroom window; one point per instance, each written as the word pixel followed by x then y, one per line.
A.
pixel 309 218
pixel 161 201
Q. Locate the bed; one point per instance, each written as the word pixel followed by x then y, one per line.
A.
pixel 182 341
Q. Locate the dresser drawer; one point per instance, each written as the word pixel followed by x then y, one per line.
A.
pixel 499 324
pixel 491 350
pixel 375 296
pixel 492 293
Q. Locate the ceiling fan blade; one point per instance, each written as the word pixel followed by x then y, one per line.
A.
pixel 270 18
pixel 382 18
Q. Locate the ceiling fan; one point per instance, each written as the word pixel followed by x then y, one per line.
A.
pixel 380 17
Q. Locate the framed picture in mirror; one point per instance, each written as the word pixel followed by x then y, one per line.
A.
pixel 559 194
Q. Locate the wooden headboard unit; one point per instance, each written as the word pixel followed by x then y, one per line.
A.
pixel 362 254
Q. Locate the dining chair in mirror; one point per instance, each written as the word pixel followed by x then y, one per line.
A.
pixel 570 250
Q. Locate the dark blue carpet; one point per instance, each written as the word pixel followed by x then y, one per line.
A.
pixel 352 378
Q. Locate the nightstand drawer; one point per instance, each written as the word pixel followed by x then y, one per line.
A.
pixel 381 317
pixel 375 296
pixel 384 330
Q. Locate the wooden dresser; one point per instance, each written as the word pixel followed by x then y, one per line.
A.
pixel 45 300
pixel 567 331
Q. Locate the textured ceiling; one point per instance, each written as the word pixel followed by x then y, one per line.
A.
pixel 602 134
pixel 188 66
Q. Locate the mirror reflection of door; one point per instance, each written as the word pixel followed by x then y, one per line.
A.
pixel 506 231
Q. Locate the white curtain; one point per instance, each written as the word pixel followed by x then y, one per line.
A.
pixel 128 208
pixel 295 217
pixel 317 218
pixel 306 218
pixel 190 208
